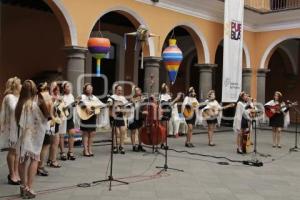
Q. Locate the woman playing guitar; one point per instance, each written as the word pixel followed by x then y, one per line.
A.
pixel 212 114
pixel 241 122
pixel 88 127
pixel 189 105
pixel 167 105
pixel 68 124
pixel 280 117
pixel 136 121
pixel 117 103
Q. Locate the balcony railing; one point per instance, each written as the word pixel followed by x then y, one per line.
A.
pixel 270 6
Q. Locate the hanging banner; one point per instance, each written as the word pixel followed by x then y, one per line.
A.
pixel 233 50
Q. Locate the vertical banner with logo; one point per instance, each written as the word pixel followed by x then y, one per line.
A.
pixel 233 50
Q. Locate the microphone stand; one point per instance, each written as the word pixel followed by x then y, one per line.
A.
pixel 110 178
pixel 295 148
pixel 254 161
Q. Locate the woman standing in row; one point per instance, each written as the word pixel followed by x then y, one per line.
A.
pixel 136 121
pixel 9 129
pixel 32 121
pixel 241 120
pixel 189 109
pixel 88 127
pixel 280 118
pixel 68 126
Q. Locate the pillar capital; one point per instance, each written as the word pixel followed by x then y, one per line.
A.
pixel 76 52
pixel 262 72
pixel 206 67
pixel 247 70
pixel 152 61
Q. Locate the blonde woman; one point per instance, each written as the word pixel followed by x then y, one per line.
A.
pixel 32 120
pixel 9 129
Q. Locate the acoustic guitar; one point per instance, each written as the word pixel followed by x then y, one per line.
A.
pixel 272 110
pixel 86 110
pixel 62 110
pixel 213 112
pixel 189 109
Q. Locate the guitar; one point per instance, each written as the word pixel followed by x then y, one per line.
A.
pixel 61 110
pixel 246 142
pixel 272 110
pixel 213 112
pixel 188 110
pixel 86 110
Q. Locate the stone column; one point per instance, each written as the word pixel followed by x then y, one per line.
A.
pixel 205 78
pixel 76 67
pixel 261 84
pixel 246 80
pixel 151 65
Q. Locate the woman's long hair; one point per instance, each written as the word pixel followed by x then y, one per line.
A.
pixel 28 92
pixel 12 86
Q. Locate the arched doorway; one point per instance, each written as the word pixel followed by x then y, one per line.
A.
pixel 121 64
pixel 283 63
pixel 193 53
pixel 34 41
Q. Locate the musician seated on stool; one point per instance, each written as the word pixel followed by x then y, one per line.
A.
pixel 241 122
pixel 214 115
pixel 136 120
pixel 280 117
pixel 88 127
pixel 189 109
pixel 117 103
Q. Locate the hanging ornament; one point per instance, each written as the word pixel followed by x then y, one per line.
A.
pixel 98 47
pixel 172 57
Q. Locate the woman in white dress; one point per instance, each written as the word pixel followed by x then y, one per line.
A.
pixel 117 103
pixel 68 126
pixel 88 127
pixel 241 120
pixel 212 121
pixel 9 129
pixel 31 115
pixel 190 108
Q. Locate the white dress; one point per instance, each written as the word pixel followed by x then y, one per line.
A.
pixel 174 122
pixel 192 101
pixel 68 99
pixel 33 126
pixel 240 112
pixel 210 105
pixel 8 125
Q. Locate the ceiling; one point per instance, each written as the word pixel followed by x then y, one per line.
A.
pixel 213 10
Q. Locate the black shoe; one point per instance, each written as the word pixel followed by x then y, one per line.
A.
pixel 239 151
pixel 141 149
pixel 42 172
pixel 71 156
pixel 63 156
pixel 162 146
pixel 115 150
pixel 11 182
pixel 191 145
pixel 135 148
pixel 121 149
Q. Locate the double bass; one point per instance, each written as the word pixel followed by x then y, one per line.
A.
pixel 152 133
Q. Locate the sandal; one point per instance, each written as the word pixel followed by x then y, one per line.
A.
pixel 63 156
pixel 42 172
pixel 54 164
pixel 29 194
pixel 71 156
pixel 115 150
pixel 121 149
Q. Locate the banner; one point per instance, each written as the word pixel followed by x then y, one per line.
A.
pixel 233 50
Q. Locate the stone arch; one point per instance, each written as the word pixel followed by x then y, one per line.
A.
pixel 135 19
pixel 65 20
